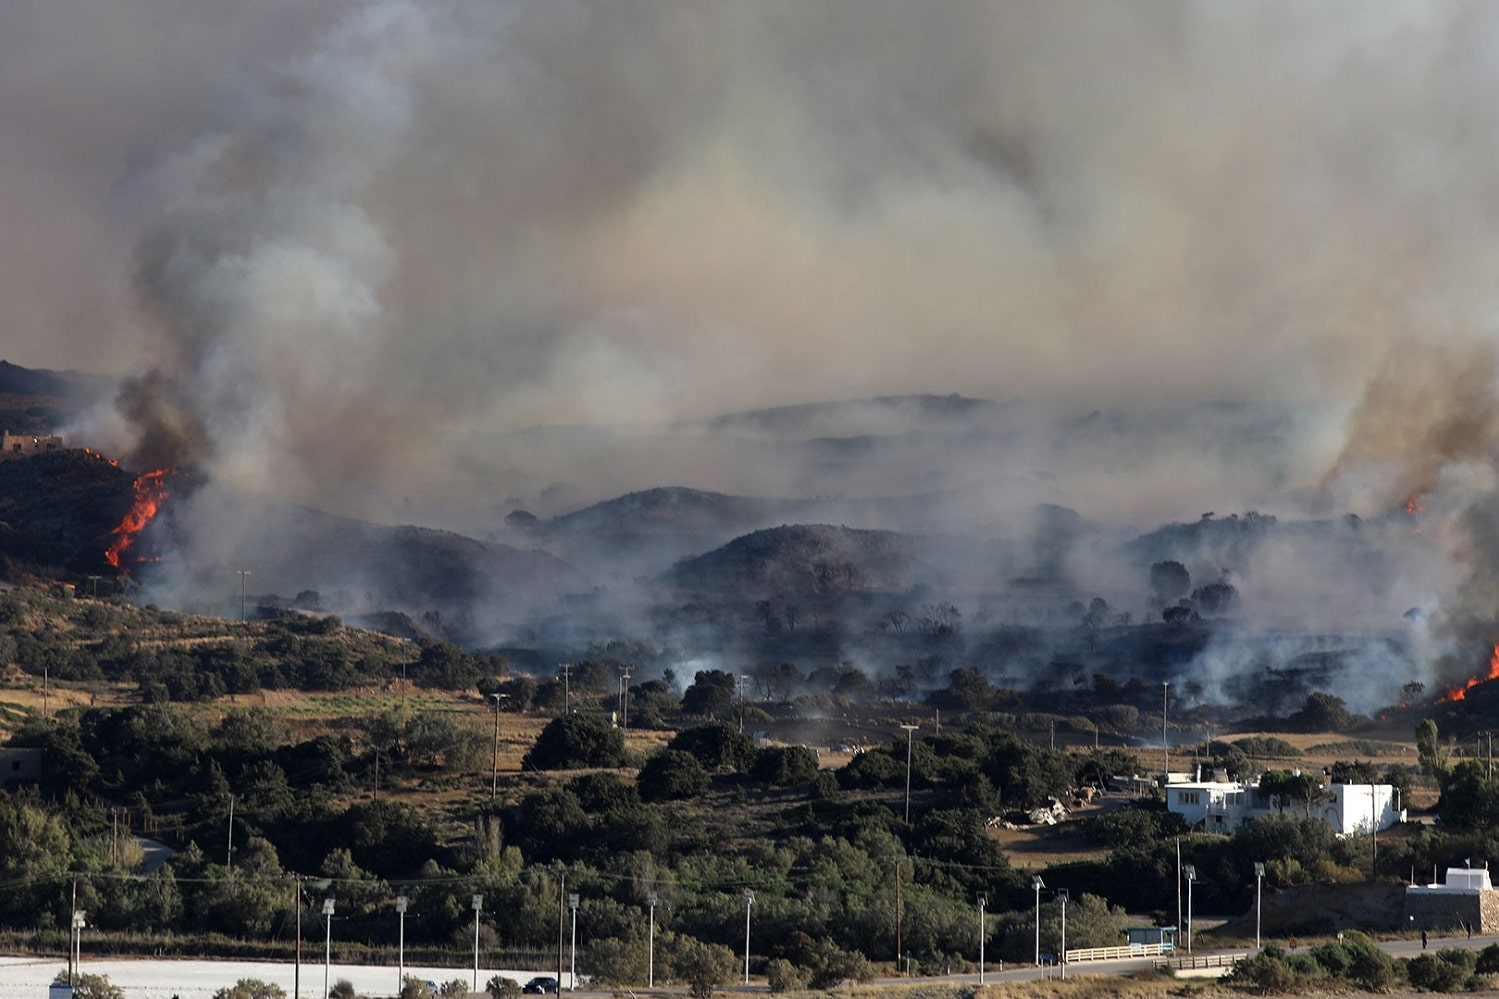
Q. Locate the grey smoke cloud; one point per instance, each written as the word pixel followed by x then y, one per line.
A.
pixel 344 233
pixel 349 251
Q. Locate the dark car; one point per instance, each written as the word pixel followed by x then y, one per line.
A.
pixel 541 986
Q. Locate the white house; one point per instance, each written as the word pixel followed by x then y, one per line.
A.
pixel 1225 805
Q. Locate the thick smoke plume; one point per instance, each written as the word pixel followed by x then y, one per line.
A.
pixel 351 253
pixel 362 237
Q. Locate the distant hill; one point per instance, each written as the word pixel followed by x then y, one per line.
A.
pixel 826 418
pixel 804 561
pixel 35 401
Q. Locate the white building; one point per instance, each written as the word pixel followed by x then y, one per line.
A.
pixel 1225 805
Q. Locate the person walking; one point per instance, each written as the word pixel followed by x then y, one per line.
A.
pixel 1423 939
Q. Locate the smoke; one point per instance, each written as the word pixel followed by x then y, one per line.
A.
pixel 363 239
pixel 354 254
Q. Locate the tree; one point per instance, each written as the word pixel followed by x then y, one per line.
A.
pixel 1322 713
pixel 1429 749
pixel 1288 787
pixel 717 746
pixel 703 966
pixel 571 742
pixel 1216 598
pixel 1169 581
pixel 711 694
pixel 785 766
pixel 670 775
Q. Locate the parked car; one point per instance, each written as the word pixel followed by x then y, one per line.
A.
pixel 541 985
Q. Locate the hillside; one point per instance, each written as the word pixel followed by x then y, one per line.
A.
pixel 815 561
pixel 57 511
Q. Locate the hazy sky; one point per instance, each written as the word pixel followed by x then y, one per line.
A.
pixel 338 229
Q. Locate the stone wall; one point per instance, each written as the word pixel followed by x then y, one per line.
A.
pixel 1453 911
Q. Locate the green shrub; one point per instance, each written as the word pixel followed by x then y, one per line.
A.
pixel 1445 971
pixel 784 976
pixel 1270 972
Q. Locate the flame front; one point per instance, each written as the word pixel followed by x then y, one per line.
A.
pixel 1461 690
pixel 150 492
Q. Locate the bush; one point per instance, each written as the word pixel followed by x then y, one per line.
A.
pixel 86 986
pixel 251 988
pixel 671 775
pixel 703 966
pixel 1445 971
pixel 1488 960
pixel 784 976
pixel 573 742
pixel 784 766
pixel 500 987
pixel 1270 972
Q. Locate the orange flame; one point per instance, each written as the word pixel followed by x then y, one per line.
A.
pixel 150 492
pixel 1413 505
pixel 1461 690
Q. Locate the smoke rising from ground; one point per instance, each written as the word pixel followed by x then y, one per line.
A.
pixel 348 254
pixel 356 233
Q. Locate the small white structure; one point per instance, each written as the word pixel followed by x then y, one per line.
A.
pixel 1466 900
pixel 1225 805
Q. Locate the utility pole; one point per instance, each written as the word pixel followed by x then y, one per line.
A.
pixel 567 691
pixel 624 699
pixel 909 730
pixel 1165 744
pixel 494 779
pixel 229 850
pixel 561 897
pixel 741 686
pixel 242 574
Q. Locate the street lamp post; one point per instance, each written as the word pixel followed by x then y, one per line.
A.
pixel 1062 957
pixel 650 953
pixel 749 900
pixel 1189 871
pixel 79 923
pixel 572 951
pixel 401 903
pixel 1038 884
pixel 983 901
pixel 478 903
pixel 909 730
pixel 1259 877
pixel 327 943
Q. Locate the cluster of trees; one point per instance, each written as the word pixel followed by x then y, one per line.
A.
pixel 1354 962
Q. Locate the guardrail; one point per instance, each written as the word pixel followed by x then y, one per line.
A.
pixel 1115 953
pixel 1182 962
